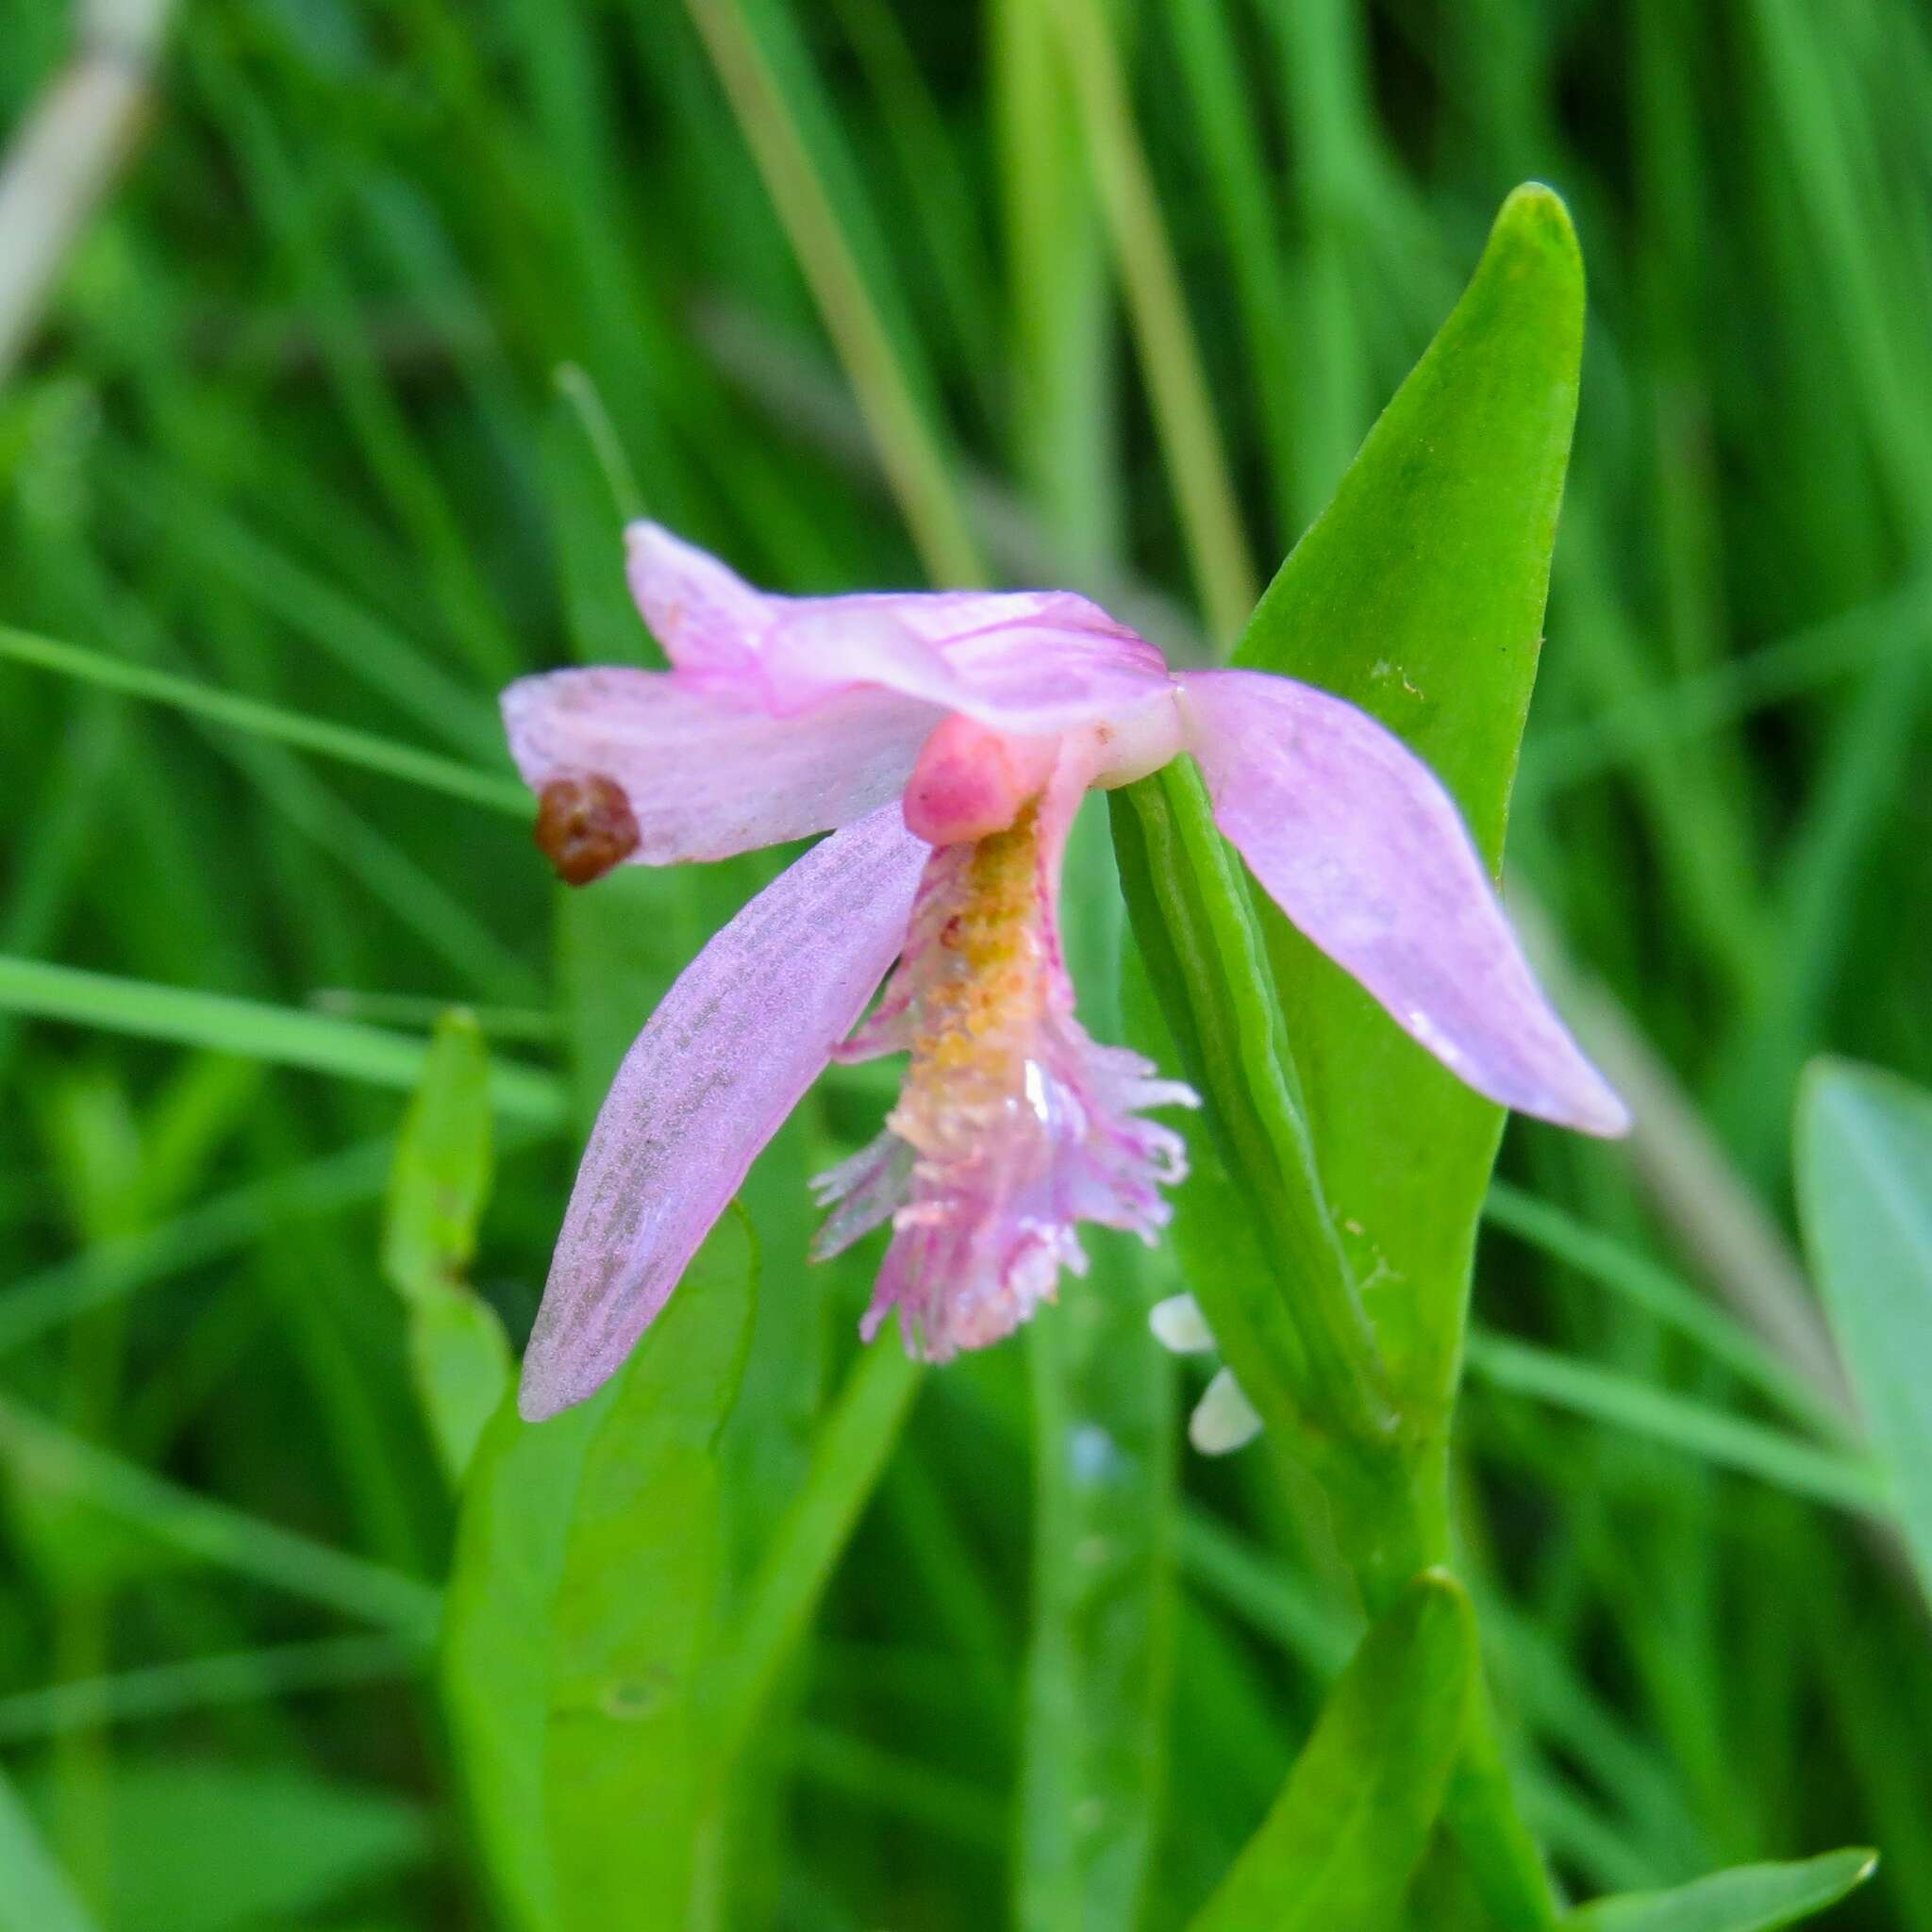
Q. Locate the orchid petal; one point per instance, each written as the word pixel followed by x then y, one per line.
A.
pixel 1357 842
pixel 745 1030
pixel 705 774
pixel 705 616
pixel 1021 661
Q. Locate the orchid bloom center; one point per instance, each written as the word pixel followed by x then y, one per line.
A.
pixel 1013 1125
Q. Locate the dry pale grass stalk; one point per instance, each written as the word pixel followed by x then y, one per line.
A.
pixel 67 153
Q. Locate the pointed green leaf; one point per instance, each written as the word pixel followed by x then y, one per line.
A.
pixel 1865 1171
pixel 587 1578
pixel 1337 1852
pixel 642 1593
pixel 462 1365
pixel 1752 1898
pixel 459 1352
pixel 442 1175
pixel 1419 595
pixel 35 1895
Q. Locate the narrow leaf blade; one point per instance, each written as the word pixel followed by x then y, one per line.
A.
pixel 1419 596
pixel 1864 1171
pixel 1337 1852
pixel 1750 1898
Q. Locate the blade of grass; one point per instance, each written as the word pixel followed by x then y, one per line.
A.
pixel 283 1036
pixel 848 1456
pixel 914 462
pixel 342 742
pixel 1661 1294
pixel 1729 1441
pixel 228 1539
pixel 1191 435
pixel 158 1690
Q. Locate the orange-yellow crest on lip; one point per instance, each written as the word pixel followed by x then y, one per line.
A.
pixel 986 985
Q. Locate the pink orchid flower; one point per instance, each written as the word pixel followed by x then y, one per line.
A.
pixel 946 741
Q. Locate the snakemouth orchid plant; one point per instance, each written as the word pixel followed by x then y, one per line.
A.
pixel 946 741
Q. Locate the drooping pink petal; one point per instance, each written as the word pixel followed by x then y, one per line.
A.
pixel 1357 842
pixel 704 774
pixel 747 1027
pixel 1014 1125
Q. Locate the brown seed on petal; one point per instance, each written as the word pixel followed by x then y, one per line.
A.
pixel 585 827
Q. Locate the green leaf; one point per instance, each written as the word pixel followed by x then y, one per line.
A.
pixel 461 1363
pixel 1752 1898
pixel 35 1894
pixel 1864 1171
pixel 1419 595
pixel 442 1175
pixel 202 1847
pixel 1350 1154
pixel 459 1354
pixel 1337 1851
pixel 587 1580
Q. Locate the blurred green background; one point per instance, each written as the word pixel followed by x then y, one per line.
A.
pixel 337 401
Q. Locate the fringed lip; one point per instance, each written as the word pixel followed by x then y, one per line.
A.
pixel 1014 1126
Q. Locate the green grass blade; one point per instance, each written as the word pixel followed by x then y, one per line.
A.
pixel 340 741
pixel 33 1304
pixel 914 457
pixel 283 1036
pixel 1753 1898
pixel 212 1531
pixel 849 1454
pixel 1176 380
pixel 1728 1440
pixel 1659 1293
pixel 1864 1162
pixel 160 1691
